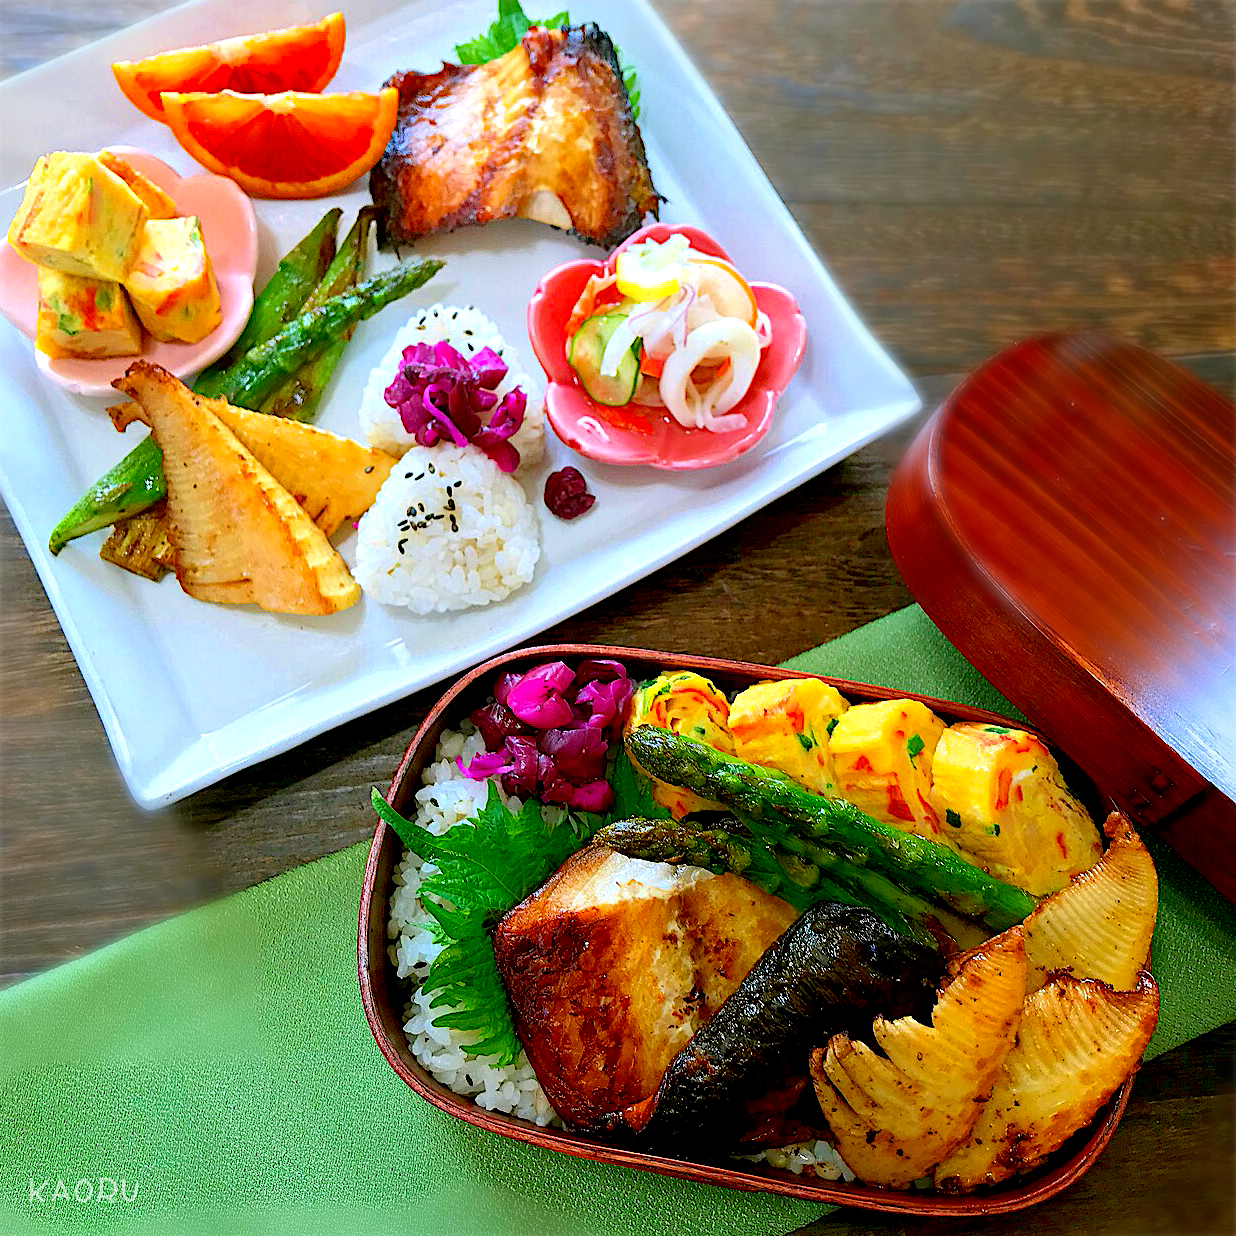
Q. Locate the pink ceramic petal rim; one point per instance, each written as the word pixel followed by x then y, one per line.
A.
pixel 580 423
pixel 229 226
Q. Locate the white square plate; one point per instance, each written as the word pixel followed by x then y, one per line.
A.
pixel 190 692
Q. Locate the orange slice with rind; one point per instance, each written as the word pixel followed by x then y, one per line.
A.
pixel 303 58
pixel 289 145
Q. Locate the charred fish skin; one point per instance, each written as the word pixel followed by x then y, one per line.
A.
pixel 833 969
pixel 567 150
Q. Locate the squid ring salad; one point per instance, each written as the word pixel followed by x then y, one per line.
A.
pixel 671 328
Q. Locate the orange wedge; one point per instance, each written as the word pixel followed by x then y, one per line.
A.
pixel 297 58
pixel 284 145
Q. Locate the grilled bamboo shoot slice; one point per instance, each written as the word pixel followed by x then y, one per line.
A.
pixel 1100 926
pixel 895 1116
pixel 239 536
pixel 1077 1042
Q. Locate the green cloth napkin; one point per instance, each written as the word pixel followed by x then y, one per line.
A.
pixel 220 1067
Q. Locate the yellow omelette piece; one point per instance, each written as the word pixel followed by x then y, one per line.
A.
pixel 882 760
pixel 159 205
pixel 79 316
pixel 172 282
pixel 1004 802
pixel 688 704
pixel 785 725
pixel 78 217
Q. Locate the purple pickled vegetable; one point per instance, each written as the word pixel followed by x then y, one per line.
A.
pixel 522 778
pixel 502 688
pixel 578 754
pixel 557 673
pixel 596 796
pixel 539 703
pixel 606 700
pixel 548 731
pixel 566 493
pixel 487 764
pixel 600 669
pixel 497 723
pixel 442 395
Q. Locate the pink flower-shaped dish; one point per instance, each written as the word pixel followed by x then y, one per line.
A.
pixel 229 229
pixel 639 435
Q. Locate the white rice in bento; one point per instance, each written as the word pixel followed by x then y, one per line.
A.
pixel 445 799
pixel 448 530
pixel 467 330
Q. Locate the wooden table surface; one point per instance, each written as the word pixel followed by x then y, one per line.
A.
pixel 971 171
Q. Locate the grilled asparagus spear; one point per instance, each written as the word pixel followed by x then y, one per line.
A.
pixel 264 367
pixel 298 396
pixel 771 801
pixel 800 878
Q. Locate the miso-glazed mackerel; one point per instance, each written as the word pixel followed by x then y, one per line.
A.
pixel 545 132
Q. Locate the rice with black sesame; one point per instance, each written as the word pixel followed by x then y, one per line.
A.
pixel 448 530
pixel 447 798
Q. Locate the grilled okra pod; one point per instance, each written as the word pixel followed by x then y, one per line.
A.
pixel 764 796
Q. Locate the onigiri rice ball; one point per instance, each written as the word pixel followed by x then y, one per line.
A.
pixel 448 530
pixel 467 330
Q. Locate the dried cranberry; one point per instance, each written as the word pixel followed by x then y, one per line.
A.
pixel 566 493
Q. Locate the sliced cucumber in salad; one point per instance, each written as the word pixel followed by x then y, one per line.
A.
pixel 588 347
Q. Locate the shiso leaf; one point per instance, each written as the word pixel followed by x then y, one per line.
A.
pixel 633 798
pixel 505 34
pixel 486 865
pixel 508 31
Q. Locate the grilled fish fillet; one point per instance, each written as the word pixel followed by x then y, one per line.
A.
pixel 545 132
pixel 615 963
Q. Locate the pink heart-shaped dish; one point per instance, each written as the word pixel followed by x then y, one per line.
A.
pixel 651 435
pixel 229 228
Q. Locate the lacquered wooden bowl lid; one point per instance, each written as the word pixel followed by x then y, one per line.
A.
pixel 1068 519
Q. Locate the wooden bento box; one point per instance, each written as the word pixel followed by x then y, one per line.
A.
pixel 385 995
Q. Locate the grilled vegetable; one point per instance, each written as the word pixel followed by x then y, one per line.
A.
pixel 300 271
pixel 334 479
pixel 831 971
pixel 137 482
pixel 786 725
pixel 1077 1042
pixel 770 799
pixel 613 964
pixel 239 536
pixel 298 397
pixel 897 1112
pixel 802 873
pixel 1100 925
pixel 263 367
pixel 1004 802
pixel 140 544
pixel 882 755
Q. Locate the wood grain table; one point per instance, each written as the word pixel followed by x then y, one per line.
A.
pixel 972 171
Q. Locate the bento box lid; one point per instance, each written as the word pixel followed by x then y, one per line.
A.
pixel 1068 519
